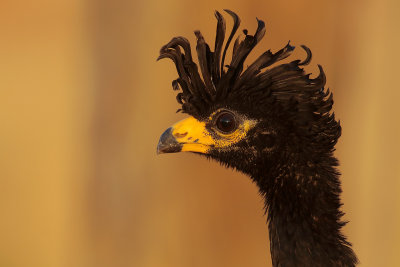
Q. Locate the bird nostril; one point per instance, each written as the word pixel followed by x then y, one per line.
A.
pixel 180 135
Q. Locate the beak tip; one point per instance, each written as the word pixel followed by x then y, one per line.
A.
pixel 160 149
pixel 168 143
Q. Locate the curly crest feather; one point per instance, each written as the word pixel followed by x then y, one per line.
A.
pixel 284 88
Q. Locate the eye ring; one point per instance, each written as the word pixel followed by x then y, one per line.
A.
pixel 226 122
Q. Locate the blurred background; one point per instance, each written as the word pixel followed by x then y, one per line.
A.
pixel 83 103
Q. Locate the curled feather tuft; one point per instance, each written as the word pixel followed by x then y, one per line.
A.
pixel 263 84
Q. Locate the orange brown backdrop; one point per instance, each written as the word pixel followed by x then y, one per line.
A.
pixel 83 102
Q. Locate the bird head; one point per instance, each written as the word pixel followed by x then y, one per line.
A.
pixel 262 116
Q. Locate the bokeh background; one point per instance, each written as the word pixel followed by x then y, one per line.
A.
pixel 83 102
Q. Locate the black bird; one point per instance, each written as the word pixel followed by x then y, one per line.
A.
pixel 274 123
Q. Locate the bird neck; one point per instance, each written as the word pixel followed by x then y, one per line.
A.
pixel 303 208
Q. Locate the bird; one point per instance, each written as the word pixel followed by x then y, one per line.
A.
pixel 272 122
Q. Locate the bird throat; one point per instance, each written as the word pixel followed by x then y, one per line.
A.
pixel 304 218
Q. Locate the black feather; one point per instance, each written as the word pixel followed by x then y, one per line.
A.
pixel 289 154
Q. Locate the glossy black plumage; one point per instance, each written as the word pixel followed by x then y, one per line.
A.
pixel 289 154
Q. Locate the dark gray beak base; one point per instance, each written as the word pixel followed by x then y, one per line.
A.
pixel 168 143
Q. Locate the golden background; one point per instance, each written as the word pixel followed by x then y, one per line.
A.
pixel 83 103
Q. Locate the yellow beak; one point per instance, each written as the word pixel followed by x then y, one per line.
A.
pixel 187 135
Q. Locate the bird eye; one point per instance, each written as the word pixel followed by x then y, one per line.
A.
pixel 226 122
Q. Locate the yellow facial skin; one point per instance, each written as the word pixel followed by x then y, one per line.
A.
pixel 194 136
